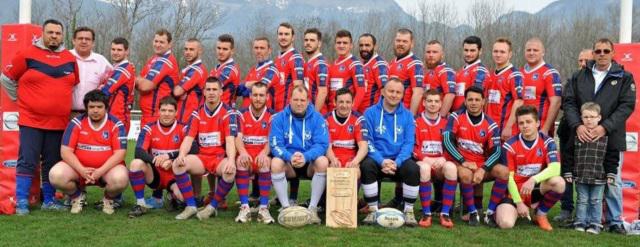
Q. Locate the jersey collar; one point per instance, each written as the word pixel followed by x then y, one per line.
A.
pixel 229 61
pixel 335 118
pixel 104 122
pixel 261 114
pixel 317 55
pixel 426 119
pixel 467 66
pixel 508 67
pixel 175 123
pixel 524 145
pixel 344 59
pixel 528 69
pixel 410 55
pixel 372 59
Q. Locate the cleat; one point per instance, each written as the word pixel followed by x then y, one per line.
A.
pixel 315 219
pixel 543 222
pixel 490 220
pixel 22 207
pixel 244 215
pixel 137 211
pixel 410 219
pixel 187 213
pixel 474 219
pixel 617 229
pixel 207 212
pixel 594 229
pixel 579 227
pixel 107 206
pixel 77 204
pixel 564 216
pixel 264 216
pixel 153 203
pixel 53 206
pixel 370 219
pixel 117 203
pixel 445 221
pixel 425 221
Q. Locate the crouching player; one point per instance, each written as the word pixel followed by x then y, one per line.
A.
pixel 253 154
pixel 157 147
pixel 299 140
pixel 93 149
pixel 473 141
pixel 534 173
pixel 214 126
pixel 347 134
pixel 429 156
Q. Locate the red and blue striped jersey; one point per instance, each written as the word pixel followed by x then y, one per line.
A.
pixel 193 78
pixel 120 87
pixel 539 84
pixel 290 66
pixel 429 137
pixel 474 74
pixel 158 140
pixel 376 74
pixel 344 137
pixel 211 127
pixel 441 78
pixel 410 71
pixel 94 146
pixel 229 74
pixel 164 72
pixel 474 141
pixel 316 75
pixel 255 131
pixel 267 73
pixel 528 160
pixel 346 72
pixel 501 90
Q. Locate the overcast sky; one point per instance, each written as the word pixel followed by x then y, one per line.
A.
pixel 529 6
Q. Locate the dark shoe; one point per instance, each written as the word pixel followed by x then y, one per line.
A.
pixel 490 220
pixel 474 219
pixel 617 229
pixel 137 211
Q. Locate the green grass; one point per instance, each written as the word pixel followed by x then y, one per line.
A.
pixel 158 228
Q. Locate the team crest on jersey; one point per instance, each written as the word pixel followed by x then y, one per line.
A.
pixel 176 139
pixel 482 133
pixel 500 80
pixel 264 124
pixel 535 76
pixel 381 129
pixel 105 135
pixel 399 130
pixel 350 129
pixel 342 68
pixel 539 152
pixel 399 66
pixel 307 136
pixel 366 70
pixel 466 73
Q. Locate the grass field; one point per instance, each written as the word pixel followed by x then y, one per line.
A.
pixel 158 228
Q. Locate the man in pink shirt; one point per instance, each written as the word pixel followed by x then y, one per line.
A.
pixel 93 67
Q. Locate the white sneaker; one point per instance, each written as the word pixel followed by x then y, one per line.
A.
pixel 244 215
pixel 264 216
pixel 370 219
pixel 315 219
pixel 410 218
pixel 187 213
pixel 107 206
pixel 77 204
pixel 207 212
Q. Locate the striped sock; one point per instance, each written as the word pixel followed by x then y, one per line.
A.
pixel 497 193
pixel 137 183
pixel 264 183
pixel 409 194
pixel 184 184
pixel 425 197
pixel 294 184
pixel 477 201
pixel 448 194
pixel 222 190
pixel 371 194
pixel 550 199
pixel 467 195
pixel 48 192
pixel 242 180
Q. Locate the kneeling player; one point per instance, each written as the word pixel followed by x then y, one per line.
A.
pixel 473 141
pixel 158 144
pixel 534 172
pixel 93 149
pixel 298 140
pixel 347 134
pixel 214 126
pixel 253 154
pixel 430 158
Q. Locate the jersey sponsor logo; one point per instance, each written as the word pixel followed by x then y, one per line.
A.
pixel 494 96
pixel 529 92
pixel 10 163
pixel 92 148
pixel 10 121
pixel 431 147
pixel 209 139
pixel 528 170
pixel 470 146
pixel 460 88
pixel 255 140
pixel 348 144
pixel 337 83
pixel 156 152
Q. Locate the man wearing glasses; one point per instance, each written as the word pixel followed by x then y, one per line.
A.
pixel 606 83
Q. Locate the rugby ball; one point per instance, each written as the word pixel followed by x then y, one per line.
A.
pixel 389 218
pixel 293 217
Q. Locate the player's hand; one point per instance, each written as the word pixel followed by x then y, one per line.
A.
pixel 597 132
pixel 166 164
pixel 244 160
pixel 611 181
pixel 568 179
pixel 351 164
pixel 85 172
pixel 544 131
pixel 470 165
pixel 334 162
pixel 438 163
pixel 160 159
pixel 478 176
pixel 263 161
pixel 97 174
pixel 523 210
pixel 527 187
pixel 506 133
pixel 179 161
pixel 583 134
pixel 230 168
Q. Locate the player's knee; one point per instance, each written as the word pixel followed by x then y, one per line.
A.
pixel 557 184
pixel 57 174
pixel 465 177
pixel 501 171
pixel 505 222
pixel 321 164
pixel 277 165
pixel 449 170
pixel 137 165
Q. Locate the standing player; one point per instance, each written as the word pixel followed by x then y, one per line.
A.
pixel 189 90
pixel 227 70
pixel 346 71
pixel 315 70
pixel 376 70
pixel 473 141
pixel 473 74
pixel 120 85
pixel 503 89
pixel 429 156
pixel 408 69
pixel 264 71
pixel 157 147
pixel 438 75
pixel 253 154
pixel 534 173
pixel 214 126
pixel 347 134
pixel 290 65
pixel 298 139
pixel 158 76
pixel 93 150
pixel 43 113
pixel 541 87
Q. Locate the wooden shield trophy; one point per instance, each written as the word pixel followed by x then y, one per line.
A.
pixel 342 198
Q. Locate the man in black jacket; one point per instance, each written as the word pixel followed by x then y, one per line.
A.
pixel 604 82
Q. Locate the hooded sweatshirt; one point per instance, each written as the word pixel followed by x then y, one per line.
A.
pixel 391 134
pixel 290 134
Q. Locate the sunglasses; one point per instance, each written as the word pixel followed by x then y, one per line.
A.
pixel 605 51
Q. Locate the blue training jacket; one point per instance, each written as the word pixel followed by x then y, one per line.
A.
pixel 391 134
pixel 290 134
